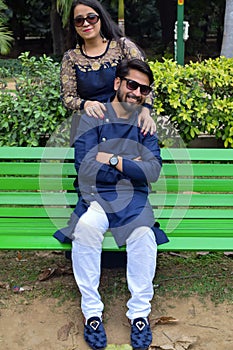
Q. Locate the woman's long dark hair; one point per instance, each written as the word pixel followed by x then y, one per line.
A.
pixel 109 29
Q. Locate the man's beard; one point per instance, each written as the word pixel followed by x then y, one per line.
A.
pixel 128 106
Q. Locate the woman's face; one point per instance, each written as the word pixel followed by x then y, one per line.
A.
pixel 87 30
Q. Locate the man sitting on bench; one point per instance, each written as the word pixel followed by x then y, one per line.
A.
pixel 115 163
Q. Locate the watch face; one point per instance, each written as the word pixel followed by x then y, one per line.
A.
pixel 113 160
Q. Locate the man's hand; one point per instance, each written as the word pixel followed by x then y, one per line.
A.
pixel 103 157
pixel 138 159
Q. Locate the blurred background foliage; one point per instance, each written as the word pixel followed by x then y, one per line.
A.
pixel 37 26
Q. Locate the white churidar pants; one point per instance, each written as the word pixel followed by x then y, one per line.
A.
pixel 86 258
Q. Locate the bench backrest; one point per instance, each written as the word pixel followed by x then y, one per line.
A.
pixel 193 199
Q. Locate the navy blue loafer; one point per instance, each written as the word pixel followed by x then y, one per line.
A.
pixel 94 334
pixel 141 335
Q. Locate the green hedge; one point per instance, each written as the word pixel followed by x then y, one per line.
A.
pixel 33 111
pixel 197 98
pixel 194 99
pixel 10 67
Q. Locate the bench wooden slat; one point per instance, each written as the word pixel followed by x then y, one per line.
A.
pixel 173 213
pixel 192 199
pixel 68 153
pixel 195 185
pixel 176 243
pixel 168 185
pixel 38 198
pixel 35 212
pixel 52 169
pixel 180 200
pixel 192 213
pixel 197 243
pixel 64 169
pixel 32 242
pixel 35 183
pixel 40 153
pixel 194 154
pixel 197 169
pixel 34 225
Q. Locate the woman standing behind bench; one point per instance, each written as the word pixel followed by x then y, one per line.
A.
pixel 88 71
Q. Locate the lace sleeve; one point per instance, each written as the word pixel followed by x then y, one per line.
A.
pixel 69 95
pixel 130 49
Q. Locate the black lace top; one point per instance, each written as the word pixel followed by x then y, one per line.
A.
pixel 91 78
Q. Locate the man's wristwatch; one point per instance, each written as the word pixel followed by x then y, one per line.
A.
pixel 114 160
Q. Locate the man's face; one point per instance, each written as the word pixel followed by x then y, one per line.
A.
pixel 131 98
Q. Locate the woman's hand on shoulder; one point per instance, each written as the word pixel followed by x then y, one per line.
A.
pixel 94 109
pixel 146 122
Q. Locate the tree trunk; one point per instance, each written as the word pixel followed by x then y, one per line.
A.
pixel 227 43
pixel 168 16
pixel 121 16
pixel 56 30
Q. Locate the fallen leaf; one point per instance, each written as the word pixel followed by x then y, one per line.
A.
pixel 179 347
pixel 178 254
pixel 46 274
pixel 42 254
pixel 229 254
pixel 184 343
pixel 64 331
pixel 202 253
pixel 4 285
pixel 162 347
pixel 164 320
pixel 19 256
pixel 57 271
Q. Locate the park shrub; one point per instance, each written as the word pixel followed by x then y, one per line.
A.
pixel 32 112
pixel 196 98
pixel 10 67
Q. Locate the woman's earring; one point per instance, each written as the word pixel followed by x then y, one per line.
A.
pixel 104 40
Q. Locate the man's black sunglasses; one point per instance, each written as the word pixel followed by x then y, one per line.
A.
pixel 92 18
pixel 133 85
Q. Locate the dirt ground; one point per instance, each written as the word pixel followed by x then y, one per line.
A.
pixel 46 314
pixel 45 325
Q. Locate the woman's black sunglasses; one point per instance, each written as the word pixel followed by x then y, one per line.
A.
pixel 92 18
pixel 133 85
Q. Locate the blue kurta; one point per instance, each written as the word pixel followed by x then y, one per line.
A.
pixel 123 195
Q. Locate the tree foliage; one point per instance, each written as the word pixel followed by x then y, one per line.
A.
pixel 63 7
pixel 5 34
pixel 142 23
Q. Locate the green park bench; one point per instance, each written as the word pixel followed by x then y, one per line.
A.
pixel 192 200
